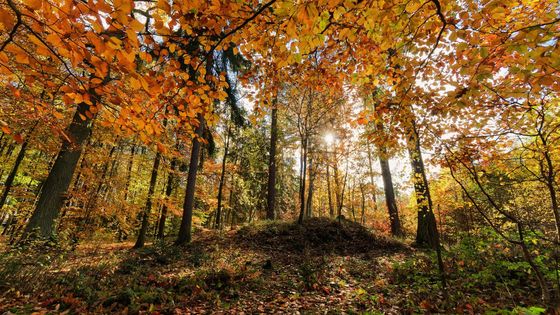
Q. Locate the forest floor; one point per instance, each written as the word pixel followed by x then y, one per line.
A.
pixel 321 266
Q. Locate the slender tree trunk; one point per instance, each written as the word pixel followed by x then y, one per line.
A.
pixel 337 190
pixel 309 206
pixel 390 195
pixel 363 220
pixel 148 206
pixel 56 185
pixel 303 173
pixel 329 195
pixel 184 235
pixel 352 202
pixel 218 221
pixel 168 191
pixel 230 199
pixel 342 192
pixel 13 173
pixel 371 177
pixel 271 185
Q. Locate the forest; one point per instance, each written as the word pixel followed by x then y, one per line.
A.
pixel 279 156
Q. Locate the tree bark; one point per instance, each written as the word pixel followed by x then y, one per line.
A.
pixel 426 233
pixel 184 235
pixel 303 173
pixel 309 206
pixel 329 195
pixel 271 185
pixel 56 185
pixel 363 220
pixel 390 195
pixel 218 221
pixel 372 179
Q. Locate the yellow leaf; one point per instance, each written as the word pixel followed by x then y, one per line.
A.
pixel 136 25
pixel 135 84
pixel 58 115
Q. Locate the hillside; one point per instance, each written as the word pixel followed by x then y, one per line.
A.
pixel 320 266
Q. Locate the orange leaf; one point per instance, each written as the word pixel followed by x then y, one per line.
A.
pixel 18 138
pixel 35 4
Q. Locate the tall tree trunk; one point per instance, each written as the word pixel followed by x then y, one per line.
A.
pixel 309 206
pixel 426 233
pixel 390 195
pixel 352 201
pixel 329 195
pixel 371 177
pixel 363 220
pixel 342 192
pixel 184 235
pixel 56 185
pixel 148 206
pixel 271 185
pixel 218 221
pixel 13 173
pixel 303 173
pixel 168 191
pixel 337 190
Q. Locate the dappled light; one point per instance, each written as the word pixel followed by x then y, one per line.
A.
pixel 279 156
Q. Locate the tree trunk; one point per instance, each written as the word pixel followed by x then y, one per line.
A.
pixel 148 206
pixel 303 173
pixel 372 179
pixel 352 201
pixel 390 195
pixel 329 195
pixel 271 185
pixel 218 221
pixel 56 185
pixel 342 192
pixel 13 173
pixel 426 233
pixel 337 190
pixel 363 220
pixel 168 191
pixel 309 206
pixel 184 235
